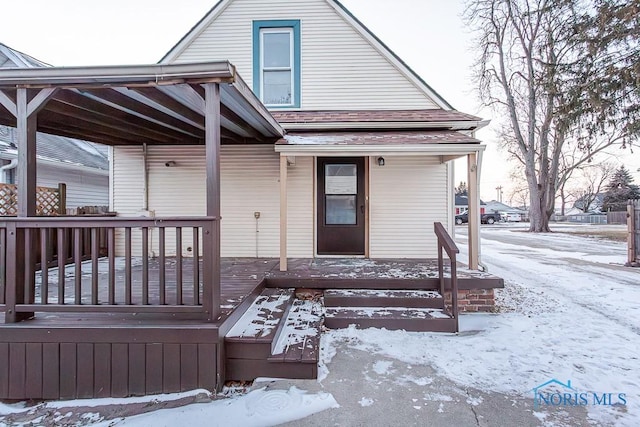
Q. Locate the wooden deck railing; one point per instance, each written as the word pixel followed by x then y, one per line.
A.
pixel 446 242
pixel 167 265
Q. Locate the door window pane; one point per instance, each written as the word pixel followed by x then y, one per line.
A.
pixel 277 87
pixel 340 210
pixel 277 49
pixel 341 179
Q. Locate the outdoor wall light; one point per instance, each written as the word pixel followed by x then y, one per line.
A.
pixel 380 161
pixel 170 164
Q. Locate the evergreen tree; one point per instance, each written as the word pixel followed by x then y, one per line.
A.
pixel 619 190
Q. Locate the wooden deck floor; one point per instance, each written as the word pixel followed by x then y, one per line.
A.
pixel 374 274
pixel 240 277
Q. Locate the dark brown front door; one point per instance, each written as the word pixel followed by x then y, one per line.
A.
pixel 341 206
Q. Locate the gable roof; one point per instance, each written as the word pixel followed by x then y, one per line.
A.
pixel 463 200
pixel 11 58
pixel 348 17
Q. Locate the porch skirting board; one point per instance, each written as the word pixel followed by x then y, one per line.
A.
pixel 57 363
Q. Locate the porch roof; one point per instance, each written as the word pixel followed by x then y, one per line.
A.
pixel 378 119
pixel 136 104
pixel 435 142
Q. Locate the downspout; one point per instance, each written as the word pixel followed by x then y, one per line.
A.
pixel 145 194
pixel 145 180
pixel 12 165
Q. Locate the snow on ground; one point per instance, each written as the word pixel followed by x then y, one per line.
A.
pixel 258 408
pixel 570 311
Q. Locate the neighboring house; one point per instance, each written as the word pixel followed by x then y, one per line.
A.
pixel 369 144
pixel 508 213
pixel 83 166
pixel 462 204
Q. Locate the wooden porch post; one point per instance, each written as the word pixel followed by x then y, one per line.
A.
pixel 474 210
pixel 283 212
pixel 211 241
pixel 26 141
pixel 20 241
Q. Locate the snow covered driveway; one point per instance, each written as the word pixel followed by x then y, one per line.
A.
pixel 572 313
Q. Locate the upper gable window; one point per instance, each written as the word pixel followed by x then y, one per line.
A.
pixel 276 62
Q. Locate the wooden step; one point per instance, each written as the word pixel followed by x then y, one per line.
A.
pixel 382 298
pixel 393 318
pixel 253 335
pixel 278 337
pixel 299 341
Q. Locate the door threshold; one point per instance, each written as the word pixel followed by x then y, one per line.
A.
pixel 342 256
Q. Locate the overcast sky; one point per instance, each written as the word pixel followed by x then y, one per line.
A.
pixel 429 35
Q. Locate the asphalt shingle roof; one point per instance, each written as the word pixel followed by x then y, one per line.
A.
pixel 58 148
pixel 349 116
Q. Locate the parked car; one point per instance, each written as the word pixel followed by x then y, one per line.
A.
pixel 511 216
pixel 485 218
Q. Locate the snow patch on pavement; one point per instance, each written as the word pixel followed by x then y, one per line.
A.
pixel 365 401
pixel 258 408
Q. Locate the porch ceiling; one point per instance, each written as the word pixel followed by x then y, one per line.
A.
pixel 132 105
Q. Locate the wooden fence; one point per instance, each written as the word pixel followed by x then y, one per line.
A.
pixel 633 239
pixel 617 217
pixel 49 201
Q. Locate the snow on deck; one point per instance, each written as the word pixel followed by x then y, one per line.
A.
pixel 390 312
pixel 302 324
pixel 261 318
pixel 383 293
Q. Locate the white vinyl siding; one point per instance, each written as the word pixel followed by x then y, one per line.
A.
pixel 83 187
pixel 250 183
pixel 127 181
pixel 340 68
pixel 407 195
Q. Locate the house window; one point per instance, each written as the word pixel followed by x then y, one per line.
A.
pixel 276 62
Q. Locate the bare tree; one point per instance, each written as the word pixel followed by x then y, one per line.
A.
pixel 595 179
pixel 531 68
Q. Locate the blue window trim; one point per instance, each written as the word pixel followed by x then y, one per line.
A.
pixel 295 25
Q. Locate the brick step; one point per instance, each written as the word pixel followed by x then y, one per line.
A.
pixel 382 298
pixel 396 318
